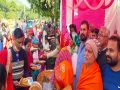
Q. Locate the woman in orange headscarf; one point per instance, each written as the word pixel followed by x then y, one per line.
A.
pixel 90 77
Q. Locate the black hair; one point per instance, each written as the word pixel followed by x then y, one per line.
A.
pixel 58 38
pixel 18 33
pixel 71 36
pixel 117 39
pixel 85 22
pixel 26 41
pixel 96 31
pixel 49 25
pixel 41 46
pixel 3 76
pixel 46 37
pixel 73 26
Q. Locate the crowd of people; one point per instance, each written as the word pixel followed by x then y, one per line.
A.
pixel 85 59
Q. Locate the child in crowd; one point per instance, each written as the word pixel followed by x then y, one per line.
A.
pixel 27 46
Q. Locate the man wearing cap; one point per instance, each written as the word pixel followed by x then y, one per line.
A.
pixel 90 77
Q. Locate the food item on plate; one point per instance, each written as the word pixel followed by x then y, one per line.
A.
pixel 35 86
pixel 24 82
pixel 47 74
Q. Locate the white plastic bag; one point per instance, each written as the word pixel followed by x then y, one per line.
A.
pixel 74 62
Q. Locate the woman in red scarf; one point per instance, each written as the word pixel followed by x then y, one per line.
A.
pixel 63 70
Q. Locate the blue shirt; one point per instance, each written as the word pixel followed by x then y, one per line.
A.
pixel 111 79
pixel 1 45
pixel 80 60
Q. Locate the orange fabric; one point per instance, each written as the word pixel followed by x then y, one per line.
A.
pixel 90 79
pixel 64 74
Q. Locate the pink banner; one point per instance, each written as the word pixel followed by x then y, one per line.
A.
pixel 94 17
pixel 91 10
pixel 63 16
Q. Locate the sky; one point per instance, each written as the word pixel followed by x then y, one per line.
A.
pixel 24 2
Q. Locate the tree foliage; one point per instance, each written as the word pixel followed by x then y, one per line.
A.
pixel 9 9
pixel 46 8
